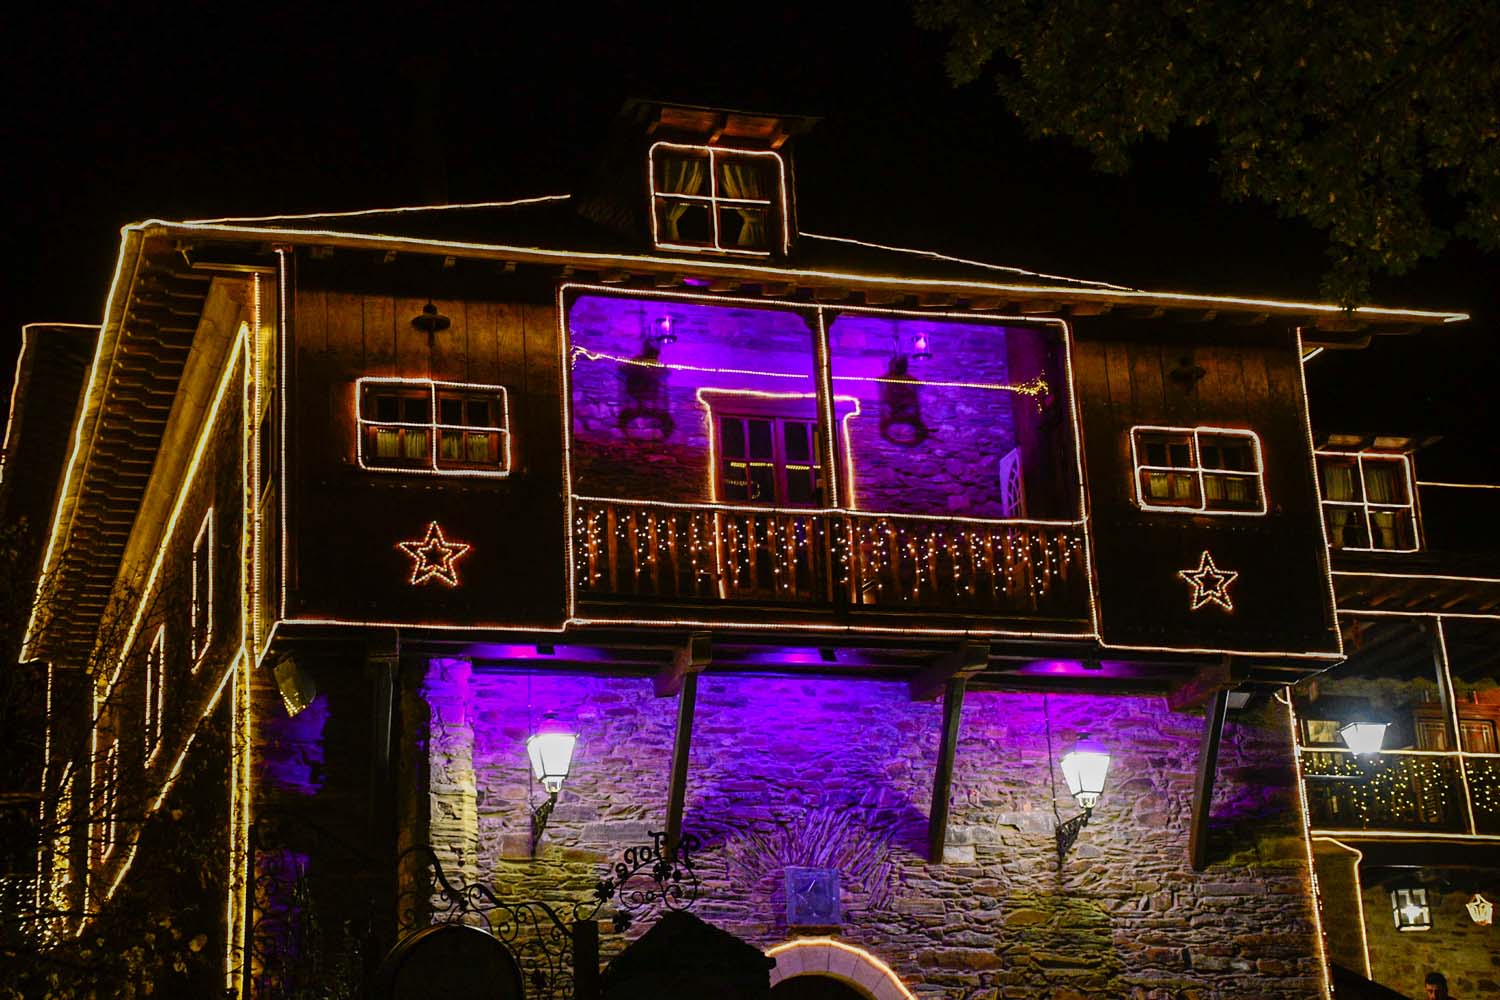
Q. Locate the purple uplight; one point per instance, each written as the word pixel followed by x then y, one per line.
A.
pixel 787 655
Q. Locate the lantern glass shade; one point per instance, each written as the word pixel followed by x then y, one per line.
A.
pixel 1410 910
pixel 1481 910
pixel 1085 767
pixel 1363 737
pixel 551 753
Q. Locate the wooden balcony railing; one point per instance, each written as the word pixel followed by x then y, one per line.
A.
pixel 1384 791
pixel 625 549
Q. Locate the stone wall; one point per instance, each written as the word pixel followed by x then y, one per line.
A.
pixel 837 773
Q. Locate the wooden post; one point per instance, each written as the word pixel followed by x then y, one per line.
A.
pixel 586 979
pixel 1203 787
pixel 681 744
pixel 937 819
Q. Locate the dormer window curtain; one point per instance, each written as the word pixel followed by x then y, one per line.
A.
pixel 706 198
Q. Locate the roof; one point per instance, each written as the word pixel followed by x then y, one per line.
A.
pixel 547 229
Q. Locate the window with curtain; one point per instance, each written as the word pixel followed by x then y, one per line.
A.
pixel 1198 470
pixel 1367 501
pixel 716 199
pixel 446 428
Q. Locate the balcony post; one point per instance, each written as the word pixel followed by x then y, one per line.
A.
pixel 1450 714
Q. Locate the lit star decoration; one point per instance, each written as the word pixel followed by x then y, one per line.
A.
pixel 434 557
pixel 1209 583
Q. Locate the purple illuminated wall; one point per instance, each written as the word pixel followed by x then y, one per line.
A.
pixel 930 406
pixel 837 773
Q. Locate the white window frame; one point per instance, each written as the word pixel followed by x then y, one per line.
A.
pixel 433 426
pixel 1410 507
pixel 714 200
pixel 1197 469
pixel 155 685
pixel 202 604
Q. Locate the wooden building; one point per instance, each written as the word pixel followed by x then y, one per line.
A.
pixel 826 552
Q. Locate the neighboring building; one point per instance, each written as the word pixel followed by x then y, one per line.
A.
pixel 826 552
pixel 1398 744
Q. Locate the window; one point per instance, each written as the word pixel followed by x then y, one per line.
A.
pixel 107 797
pixel 1367 501
pixel 1198 470
pixel 769 460
pixel 437 428
pixel 705 198
pixel 156 676
pixel 201 632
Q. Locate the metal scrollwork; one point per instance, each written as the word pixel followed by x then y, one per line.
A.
pixel 650 875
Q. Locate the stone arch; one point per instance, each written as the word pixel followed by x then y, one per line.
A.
pixel 823 956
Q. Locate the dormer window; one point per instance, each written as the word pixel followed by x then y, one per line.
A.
pixel 1368 501
pixel 725 200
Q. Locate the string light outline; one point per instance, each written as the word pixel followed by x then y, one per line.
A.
pixel 425 567
pixel 432 385
pixel 385 211
pixel 1198 469
pixel 713 199
pixel 1460 486
pixel 671 264
pixel 1325 561
pixel 283 387
pixel 713 431
pixel 156 663
pixel 946 258
pixel 1205 593
pixel 207 609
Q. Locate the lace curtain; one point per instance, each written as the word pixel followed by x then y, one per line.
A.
pixel 743 179
pixel 681 175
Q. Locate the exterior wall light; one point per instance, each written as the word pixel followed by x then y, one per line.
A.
pixel 551 751
pixel 1410 910
pixel 1085 767
pixel 1481 910
pixel 1363 737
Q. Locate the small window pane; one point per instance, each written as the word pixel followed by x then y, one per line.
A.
pixel 1181 454
pixel 798 445
pixel 387 408
pixel 732 437
pixel 479 413
pixel 1156 453
pixel 450 411
pixel 763 482
pixel 760 439
pixel 416 410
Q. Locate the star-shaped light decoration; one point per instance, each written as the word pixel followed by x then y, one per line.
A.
pixel 434 557
pixel 1209 583
pixel 1481 910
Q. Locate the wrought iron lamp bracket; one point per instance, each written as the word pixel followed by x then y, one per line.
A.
pixel 1067 834
pixel 539 817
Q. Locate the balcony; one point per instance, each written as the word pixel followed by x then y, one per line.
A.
pixel 1402 790
pixel 825 564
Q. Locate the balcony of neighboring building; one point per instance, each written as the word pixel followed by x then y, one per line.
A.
pixel 1399 543
pixel 1402 737
pixel 829 465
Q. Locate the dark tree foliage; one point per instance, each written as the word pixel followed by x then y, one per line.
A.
pixel 1378 121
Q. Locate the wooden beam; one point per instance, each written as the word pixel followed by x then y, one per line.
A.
pixel 690 658
pixel 883 297
pixel 972 656
pixel 1203 787
pixel 681 746
pixel 1195 691
pixel 942 778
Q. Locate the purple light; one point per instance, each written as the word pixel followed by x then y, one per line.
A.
pixel 696 282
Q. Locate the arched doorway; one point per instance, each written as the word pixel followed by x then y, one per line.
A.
pixel 812 987
pixel 826 968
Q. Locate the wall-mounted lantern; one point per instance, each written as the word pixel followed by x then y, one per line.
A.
pixel 551 751
pixel 1363 737
pixel 1085 767
pixel 1410 910
pixel 1481 910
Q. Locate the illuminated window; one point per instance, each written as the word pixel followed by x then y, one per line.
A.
pixel 769 460
pixel 107 798
pixel 1198 470
pixel 202 630
pixel 1410 909
pixel 156 676
pixel 1367 501
pixel 706 198
pixel 443 428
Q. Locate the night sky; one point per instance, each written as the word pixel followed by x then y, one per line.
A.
pixel 119 113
